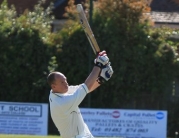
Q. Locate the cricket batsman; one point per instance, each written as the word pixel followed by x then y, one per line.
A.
pixel 64 99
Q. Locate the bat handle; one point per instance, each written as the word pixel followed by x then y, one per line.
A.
pixel 97 53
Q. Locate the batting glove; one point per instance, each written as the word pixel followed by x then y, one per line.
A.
pixel 101 60
pixel 106 74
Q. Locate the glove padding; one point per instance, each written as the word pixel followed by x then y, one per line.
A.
pixel 106 74
pixel 101 60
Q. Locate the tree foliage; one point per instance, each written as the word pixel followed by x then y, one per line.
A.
pixel 142 58
pixel 26 53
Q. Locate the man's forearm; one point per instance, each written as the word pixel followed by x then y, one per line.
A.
pixel 95 85
pixel 91 80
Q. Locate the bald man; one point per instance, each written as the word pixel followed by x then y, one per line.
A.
pixel 64 99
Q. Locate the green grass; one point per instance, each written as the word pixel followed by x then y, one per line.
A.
pixel 26 136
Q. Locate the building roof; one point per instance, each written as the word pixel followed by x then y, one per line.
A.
pixel 164 11
pixel 165 17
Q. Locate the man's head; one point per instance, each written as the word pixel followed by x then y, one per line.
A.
pixel 58 82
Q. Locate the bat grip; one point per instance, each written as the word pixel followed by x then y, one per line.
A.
pixel 97 53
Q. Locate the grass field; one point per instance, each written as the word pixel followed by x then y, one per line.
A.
pixel 26 136
pixel 32 136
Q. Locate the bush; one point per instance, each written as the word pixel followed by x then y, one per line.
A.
pixel 141 58
pixel 27 53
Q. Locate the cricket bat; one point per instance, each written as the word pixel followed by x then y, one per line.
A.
pixel 87 29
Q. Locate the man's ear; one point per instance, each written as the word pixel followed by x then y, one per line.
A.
pixel 53 86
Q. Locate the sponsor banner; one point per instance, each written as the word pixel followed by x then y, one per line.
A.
pixel 23 118
pixel 126 123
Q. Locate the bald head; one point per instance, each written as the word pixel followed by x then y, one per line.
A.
pixel 52 76
pixel 58 82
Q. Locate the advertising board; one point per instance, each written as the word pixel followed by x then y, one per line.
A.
pixel 23 118
pixel 126 123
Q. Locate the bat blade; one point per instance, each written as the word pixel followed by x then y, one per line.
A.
pixel 87 29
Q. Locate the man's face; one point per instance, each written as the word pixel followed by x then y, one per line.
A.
pixel 60 84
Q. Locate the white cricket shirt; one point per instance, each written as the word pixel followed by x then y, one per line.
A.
pixel 65 112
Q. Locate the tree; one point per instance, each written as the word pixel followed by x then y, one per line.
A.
pixel 141 58
pixel 27 47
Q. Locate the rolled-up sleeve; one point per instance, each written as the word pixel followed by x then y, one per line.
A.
pixel 85 88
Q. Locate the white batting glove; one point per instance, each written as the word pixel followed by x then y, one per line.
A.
pixel 101 60
pixel 106 74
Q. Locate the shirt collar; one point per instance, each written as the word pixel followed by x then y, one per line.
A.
pixel 58 94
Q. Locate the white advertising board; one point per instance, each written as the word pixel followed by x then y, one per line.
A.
pixel 23 118
pixel 126 123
